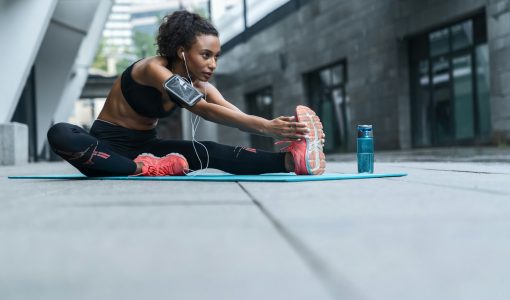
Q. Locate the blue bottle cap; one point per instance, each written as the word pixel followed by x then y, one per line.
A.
pixel 365 131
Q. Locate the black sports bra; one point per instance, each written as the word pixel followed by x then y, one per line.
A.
pixel 145 100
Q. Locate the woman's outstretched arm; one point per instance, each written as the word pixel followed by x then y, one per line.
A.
pixel 212 95
pixel 154 73
pixel 279 128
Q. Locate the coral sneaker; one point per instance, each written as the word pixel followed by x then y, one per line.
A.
pixel 172 164
pixel 309 158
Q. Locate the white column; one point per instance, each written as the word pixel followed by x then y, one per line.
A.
pixel 81 66
pixel 54 64
pixel 23 24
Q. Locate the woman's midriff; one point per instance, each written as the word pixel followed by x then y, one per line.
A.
pixel 116 110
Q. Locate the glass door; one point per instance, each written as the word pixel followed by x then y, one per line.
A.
pixel 442 110
pixel 331 116
pixel 464 110
pixel 260 103
pixel 326 91
pixel 483 91
pixel 450 85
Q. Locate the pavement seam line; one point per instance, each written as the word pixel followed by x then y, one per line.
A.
pixel 492 192
pixel 336 289
pixel 158 203
pixel 458 171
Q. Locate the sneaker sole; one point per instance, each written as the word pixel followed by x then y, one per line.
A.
pixel 315 159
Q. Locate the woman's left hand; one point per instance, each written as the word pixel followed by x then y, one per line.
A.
pixel 286 128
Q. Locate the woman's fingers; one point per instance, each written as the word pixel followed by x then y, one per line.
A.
pixel 289 128
pixel 287 119
pixel 301 129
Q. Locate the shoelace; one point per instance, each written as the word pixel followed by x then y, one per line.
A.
pixel 166 169
pixel 286 148
pixel 152 170
pixel 170 168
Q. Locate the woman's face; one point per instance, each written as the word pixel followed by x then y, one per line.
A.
pixel 202 57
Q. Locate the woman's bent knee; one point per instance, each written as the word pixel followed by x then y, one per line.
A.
pixel 56 133
pixel 63 134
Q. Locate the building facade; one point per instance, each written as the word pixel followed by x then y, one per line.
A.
pixel 423 73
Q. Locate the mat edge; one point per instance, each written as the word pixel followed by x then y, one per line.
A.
pixel 249 178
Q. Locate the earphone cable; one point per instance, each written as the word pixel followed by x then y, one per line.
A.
pixel 194 125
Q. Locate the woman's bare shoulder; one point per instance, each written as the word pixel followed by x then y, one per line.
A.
pixel 159 60
pixel 151 61
pixel 149 70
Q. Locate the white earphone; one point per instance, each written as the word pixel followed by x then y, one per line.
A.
pixel 194 123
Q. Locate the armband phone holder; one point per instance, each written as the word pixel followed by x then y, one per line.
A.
pixel 181 91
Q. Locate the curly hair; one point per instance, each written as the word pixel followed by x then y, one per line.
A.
pixel 180 29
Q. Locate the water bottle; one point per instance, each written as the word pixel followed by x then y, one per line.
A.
pixel 365 149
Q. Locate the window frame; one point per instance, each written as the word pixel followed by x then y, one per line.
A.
pixel 419 51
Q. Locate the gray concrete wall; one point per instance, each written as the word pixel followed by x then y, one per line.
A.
pixel 499 47
pixel 13 144
pixel 371 36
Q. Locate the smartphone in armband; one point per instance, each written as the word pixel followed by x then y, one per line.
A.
pixel 181 91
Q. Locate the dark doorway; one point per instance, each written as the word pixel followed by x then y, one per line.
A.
pixel 327 97
pixel 260 103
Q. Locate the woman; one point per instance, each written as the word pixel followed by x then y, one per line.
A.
pixel 122 141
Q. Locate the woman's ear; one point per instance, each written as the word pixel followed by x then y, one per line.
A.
pixel 180 52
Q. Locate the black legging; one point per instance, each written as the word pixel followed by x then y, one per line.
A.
pixel 109 150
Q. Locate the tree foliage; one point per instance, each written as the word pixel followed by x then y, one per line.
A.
pixel 144 44
pixel 100 62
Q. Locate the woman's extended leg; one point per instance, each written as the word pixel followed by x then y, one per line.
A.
pixel 89 155
pixel 234 160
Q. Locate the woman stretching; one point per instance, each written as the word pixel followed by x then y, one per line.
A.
pixel 123 141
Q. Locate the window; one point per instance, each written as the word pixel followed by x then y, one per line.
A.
pixel 450 84
pixel 260 103
pixel 326 93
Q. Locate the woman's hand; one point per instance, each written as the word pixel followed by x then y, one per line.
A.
pixel 286 128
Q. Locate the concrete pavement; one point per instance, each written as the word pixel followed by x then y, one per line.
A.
pixel 442 232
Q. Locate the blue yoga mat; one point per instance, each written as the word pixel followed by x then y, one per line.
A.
pixel 220 177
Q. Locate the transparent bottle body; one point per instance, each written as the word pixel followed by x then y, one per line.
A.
pixel 365 151
pixel 365 155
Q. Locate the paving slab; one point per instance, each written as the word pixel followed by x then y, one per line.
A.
pixel 381 167
pixel 105 193
pixel 424 236
pixel 491 178
pixel 213 252
pixel 142 240
pixel 439 233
